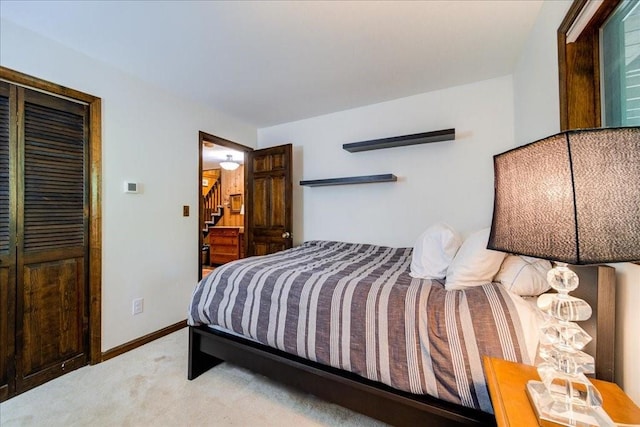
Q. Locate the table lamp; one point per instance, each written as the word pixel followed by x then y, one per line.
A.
pixel 572 198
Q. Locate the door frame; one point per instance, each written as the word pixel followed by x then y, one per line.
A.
pixel 94 288
pixel 207 137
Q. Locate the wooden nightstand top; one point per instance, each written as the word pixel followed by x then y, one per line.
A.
pixel 506 382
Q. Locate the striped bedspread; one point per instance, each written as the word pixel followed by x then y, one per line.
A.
pixel 355 307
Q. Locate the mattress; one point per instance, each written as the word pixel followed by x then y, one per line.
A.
pixel 355 307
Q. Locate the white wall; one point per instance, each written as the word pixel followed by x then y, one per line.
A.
pixel 535 79
pixel 450 181
pixel 536 116
pixel 148 136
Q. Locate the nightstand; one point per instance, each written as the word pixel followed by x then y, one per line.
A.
pixel 506 382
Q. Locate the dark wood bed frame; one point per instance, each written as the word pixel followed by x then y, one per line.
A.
pixel 208 348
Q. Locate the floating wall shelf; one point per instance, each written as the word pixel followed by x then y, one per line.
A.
pixel 350 180
pixel 400 141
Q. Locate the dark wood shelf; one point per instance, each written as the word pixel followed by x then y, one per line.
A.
pixel 401 141
pixel 365 179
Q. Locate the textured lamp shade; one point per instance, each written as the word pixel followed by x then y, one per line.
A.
pixel 573 197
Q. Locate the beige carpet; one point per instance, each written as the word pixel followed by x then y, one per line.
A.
pixel 148 387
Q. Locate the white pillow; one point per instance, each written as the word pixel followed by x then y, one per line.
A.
pixel 474 264
pixel 523 275
pixel 433 252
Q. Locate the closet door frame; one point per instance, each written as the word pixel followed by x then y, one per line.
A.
pixel 95 197
pixel 8 266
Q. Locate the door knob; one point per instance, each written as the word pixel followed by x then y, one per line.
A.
pixel 286 235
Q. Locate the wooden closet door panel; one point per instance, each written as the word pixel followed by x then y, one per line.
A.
pixel 52 329
pixel 52 239
pixel 54 174
pixel 7 242
pixel 5 172
pixel 7 331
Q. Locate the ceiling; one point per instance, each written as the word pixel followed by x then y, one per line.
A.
pixel 271 62
pixel 213 154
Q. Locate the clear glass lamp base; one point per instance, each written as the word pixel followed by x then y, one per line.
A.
pixel 553 413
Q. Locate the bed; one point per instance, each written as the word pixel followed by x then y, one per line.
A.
pixel 348 323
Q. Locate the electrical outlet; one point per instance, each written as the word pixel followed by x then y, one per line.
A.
pixel 138 306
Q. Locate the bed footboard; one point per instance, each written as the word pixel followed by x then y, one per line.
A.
pixel 208 348
pixel 199 361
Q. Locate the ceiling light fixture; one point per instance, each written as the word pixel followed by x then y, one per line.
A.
pixel 229 164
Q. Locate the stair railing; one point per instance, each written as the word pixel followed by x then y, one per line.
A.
pixel 211 204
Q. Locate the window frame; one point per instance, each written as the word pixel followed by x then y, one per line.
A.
pixel 579 67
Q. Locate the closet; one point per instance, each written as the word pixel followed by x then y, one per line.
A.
pixel 44 237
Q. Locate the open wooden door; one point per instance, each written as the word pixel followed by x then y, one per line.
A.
pixel 269 200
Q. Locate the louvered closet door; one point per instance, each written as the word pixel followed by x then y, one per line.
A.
pixel 7 245
pixel 52 231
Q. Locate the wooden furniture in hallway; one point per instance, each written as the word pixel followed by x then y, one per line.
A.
pixel 224 243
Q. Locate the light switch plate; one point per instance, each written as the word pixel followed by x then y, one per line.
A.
pixel 137 306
